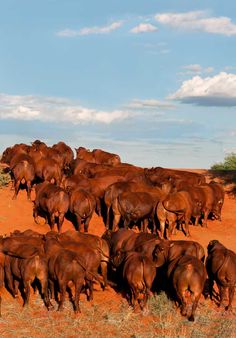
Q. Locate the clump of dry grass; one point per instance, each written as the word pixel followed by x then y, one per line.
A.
pixel 5 178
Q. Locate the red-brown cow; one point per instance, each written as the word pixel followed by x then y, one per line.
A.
pixel 52 202
pixel 221 268
pixel 82 205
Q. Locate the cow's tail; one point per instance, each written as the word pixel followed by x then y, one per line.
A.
pixel 88 274
pixel 167 206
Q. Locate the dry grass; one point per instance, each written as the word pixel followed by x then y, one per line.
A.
pixel 5 178
pixel 99 319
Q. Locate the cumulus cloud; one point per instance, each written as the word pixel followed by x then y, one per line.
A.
pixel 54 109
pixel 219 90
pixel 90 30
pixel 144 28
pixel 198 21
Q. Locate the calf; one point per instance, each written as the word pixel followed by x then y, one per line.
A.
pixel 221 268
pixel 52 202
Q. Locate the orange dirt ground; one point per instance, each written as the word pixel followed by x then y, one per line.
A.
pixel 17 214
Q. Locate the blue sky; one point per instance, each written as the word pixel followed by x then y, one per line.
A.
pixel 154 81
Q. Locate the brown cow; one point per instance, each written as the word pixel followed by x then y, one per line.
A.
pixel 95 242
pixel 104 157
pixel 183 205
pixel 66 153
pixel 138 274
pixel 186 273
pixel 221 268
pixel 219 195
pixel 82 205
pixel 23 172
pixel 48 170
pixel 188 280
pixel 65 266
pixel 26 270
pixel 135 206
pixel 91 258
pixel 177 177
pixel 85 154
pixel 52 202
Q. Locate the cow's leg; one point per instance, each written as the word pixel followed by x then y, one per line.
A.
pixel 183 306
pixel 186 225
pixel 86 223
pixel 171 229
pixel 116 221
pixel 145 225
pixel 90 287
pixel 222 291
pixel 51 288
pixel 98 207
pixel 28 188
pixel 126 223
pixel 78 287
pixel 162 228
pixel 16 284
pixel 52 221
pixel 44 285
pixel 60 221
pixel 196 223
pixel 9 277
pixel 231 296
pixel 35 215
pixel 205 218
pixel 104 274
pixel 211 284
pixel 17 188
pixel 62 287
pixel 78 223
pixel 108 217
pixel 194 307
pixel 26 284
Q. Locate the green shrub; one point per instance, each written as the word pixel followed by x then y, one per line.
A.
pixel 229 163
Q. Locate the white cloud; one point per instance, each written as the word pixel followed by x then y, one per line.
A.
pixel 90 30
pixel 144 28
pixel 151 104
pixel 219 90
pixel 198 21
pixel 54 109
pixel 196 69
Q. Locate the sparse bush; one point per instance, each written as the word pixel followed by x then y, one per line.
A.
pixel 228 164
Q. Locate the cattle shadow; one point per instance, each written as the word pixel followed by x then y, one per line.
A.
pixel 227 178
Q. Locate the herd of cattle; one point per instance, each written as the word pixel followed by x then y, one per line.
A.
pixel 157 200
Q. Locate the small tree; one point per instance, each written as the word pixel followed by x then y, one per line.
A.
pixel 228 164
